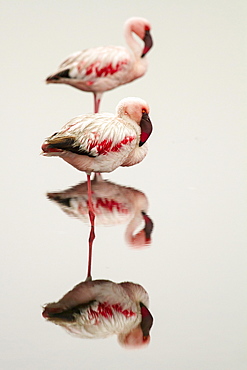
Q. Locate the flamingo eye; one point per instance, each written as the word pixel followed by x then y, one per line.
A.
pixel 144 110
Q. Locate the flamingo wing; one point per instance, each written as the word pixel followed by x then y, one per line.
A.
pixel 83 295
pixel 93 64
pixel 92 136
pixel 70 60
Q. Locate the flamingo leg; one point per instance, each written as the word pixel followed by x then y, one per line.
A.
pixel 97 99
pixel 92 233
pixel 90 250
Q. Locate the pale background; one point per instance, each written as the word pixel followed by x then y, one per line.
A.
pixel 194 176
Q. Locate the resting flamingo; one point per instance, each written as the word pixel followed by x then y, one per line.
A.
pixel 103 68
pixel 100 308
pixel 103 142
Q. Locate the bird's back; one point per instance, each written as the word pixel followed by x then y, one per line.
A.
pixel 96 69
pixel 110 310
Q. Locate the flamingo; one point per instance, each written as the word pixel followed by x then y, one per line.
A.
pixel 102 142
pixel 104 68
pixel 100 308
pixel 113 204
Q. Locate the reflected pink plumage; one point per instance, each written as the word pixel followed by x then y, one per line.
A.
pixel 100 308
pixel 113 204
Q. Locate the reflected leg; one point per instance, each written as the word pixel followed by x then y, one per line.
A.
pixel 92 233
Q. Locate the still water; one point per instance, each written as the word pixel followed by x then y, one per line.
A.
pixel 184 240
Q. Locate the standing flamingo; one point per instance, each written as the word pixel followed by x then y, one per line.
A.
pixel 113 204
pixel 100 308
pixel 103 142
pixel 104 68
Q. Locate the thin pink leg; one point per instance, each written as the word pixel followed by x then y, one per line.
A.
pixel 97 99
pixel 92 233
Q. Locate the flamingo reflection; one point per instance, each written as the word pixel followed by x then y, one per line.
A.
pixel 100 308
pixel 113 204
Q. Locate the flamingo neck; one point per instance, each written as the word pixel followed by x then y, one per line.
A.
pixel 133 44
pixel 137 240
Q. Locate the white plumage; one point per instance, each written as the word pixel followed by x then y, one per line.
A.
pixel 104 68
pixel 103 142
pixel 100 308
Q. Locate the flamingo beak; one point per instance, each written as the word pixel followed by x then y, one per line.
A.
pixel 148 226
pixel 148 41
pixel 146 128
pixel 147 320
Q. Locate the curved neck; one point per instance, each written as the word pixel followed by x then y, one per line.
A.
pixel 132 42
pixel 135 240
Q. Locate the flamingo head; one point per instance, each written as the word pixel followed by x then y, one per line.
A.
pixel 141 27
pixel 139 336
pixel 134 339
pixel 137 110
